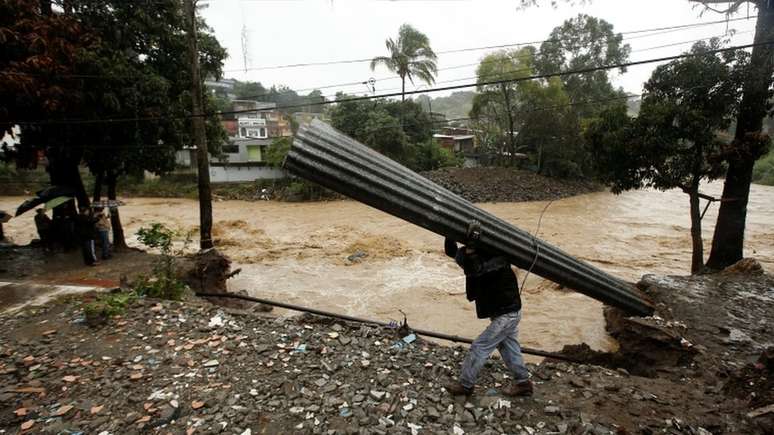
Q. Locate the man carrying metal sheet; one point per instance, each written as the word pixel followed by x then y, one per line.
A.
pixel 491 283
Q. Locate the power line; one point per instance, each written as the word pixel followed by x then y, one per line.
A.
pixel 488 47
pixel 503 74
pixel 359 83
pixel 437 89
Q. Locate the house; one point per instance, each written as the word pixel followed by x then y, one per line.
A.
pixel 457 139
pixel 251 133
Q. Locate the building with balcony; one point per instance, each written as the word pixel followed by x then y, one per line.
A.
pixel 251 131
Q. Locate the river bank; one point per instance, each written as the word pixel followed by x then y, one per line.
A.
pixel 192 367
pixel 491 184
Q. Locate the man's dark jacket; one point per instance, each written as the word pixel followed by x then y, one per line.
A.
pixel 85 227
pixel 489 280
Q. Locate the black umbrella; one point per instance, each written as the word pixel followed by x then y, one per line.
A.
pixel 44 196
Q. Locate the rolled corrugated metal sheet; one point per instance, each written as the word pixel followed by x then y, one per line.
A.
pixel 326 156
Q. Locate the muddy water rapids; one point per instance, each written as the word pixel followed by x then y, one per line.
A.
pixel 298 253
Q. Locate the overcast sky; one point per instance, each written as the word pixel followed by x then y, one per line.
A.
pixel 281 32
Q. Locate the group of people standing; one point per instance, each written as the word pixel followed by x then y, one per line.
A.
pixel 88 227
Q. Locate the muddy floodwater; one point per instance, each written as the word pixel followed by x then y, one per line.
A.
pixel 298 253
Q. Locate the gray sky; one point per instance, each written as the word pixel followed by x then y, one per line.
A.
pixel 280 32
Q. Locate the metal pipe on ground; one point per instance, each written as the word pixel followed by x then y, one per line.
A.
pixel 328 157
pixel 424 332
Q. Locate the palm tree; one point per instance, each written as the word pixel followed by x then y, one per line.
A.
pixel 410 56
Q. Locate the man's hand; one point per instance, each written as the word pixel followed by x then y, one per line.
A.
pixel 474 234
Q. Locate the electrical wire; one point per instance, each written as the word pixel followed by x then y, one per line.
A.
pixel 360 83
pixel 396 94
pixel 537 246
pixel 487 47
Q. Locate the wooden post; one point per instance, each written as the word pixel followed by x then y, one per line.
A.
pixel 199 134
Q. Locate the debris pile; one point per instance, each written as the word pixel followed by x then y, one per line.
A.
pixel 494 184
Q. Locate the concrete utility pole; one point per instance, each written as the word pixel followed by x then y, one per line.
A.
pixel 199 134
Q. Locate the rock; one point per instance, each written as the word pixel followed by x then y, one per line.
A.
pixel 551 410
pixel 377 395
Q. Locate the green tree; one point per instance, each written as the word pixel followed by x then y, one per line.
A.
pixel 579 43
pixel 378 125
pixel 409 56
pixel 528 116
pixel 122 63
pixel 674 141
pixel 550 130
pixel 250 91
pixel 750 143
pixel 276 153
pixel 499 103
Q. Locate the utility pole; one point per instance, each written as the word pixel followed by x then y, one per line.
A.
pixel 199 134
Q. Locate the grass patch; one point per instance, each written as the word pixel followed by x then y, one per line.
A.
pixel 106 306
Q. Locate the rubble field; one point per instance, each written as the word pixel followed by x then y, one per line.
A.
pixel 194 367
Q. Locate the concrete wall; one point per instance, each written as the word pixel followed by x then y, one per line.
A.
pixel 231 174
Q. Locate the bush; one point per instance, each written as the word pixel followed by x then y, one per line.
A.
pixel 429 156
pixel 763 172
pixel 164 283
pixel 106 306
pixel 276 153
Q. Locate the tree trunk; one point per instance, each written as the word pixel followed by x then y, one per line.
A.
pixel 98 180
pixel 199 135
pixel 119 241
pixel 728 240
pixel 697 256
pixel 63 164
pixel 403 89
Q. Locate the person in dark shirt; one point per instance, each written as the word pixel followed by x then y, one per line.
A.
pixel 85 229
pixel 491 284
pixel 44 226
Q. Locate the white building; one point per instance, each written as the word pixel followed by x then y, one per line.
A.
pixel 250 136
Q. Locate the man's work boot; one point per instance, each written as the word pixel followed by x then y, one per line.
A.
pixel 519 389
pixel 455 388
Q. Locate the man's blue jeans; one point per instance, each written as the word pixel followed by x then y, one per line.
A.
pixel 501 334
pixel 104 239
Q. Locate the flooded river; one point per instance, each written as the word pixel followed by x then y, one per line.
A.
pixel 298 253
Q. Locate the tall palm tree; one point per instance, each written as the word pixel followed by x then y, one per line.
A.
pixel 410 56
